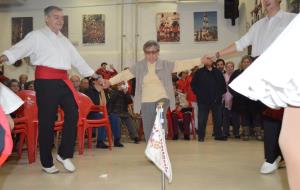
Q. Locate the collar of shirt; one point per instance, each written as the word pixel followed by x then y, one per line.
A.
pixel 278 15
pixel 52 34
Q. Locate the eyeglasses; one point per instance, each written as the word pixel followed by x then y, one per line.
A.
pixel 151 52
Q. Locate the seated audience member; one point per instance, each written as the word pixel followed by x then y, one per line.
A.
pixel 182 82
pixel 22 80
pixel 181 119
pixel 75 79
pixel 14 85
pixel 118 104
pixel 106 72
pixel 29 85
pixel 84 85
pixel 181 116
pixel 98 96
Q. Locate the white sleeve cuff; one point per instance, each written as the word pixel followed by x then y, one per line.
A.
pixel 11 58
pixel 238 46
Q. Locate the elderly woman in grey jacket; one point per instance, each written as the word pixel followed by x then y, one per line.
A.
pixel 153 83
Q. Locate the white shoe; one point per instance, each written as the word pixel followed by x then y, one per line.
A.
pixel 51 170
pixel 268 168
pixel 67 163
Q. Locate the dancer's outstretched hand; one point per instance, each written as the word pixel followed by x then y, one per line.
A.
pixel 3 59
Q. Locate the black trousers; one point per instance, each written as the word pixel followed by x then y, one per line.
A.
pixel 272 130
pixel 50 94
pixel 203 110
pixel 233 118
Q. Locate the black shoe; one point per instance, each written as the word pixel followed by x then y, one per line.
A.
pixel 102 145
pixel 136 140
pixel 201 139
pixel 118 144
pixel 187 137
pixel 221 138
pixel 237 136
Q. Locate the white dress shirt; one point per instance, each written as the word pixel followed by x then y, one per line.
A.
pixel 49 49
pixel 9 101
pixel 274 77
pixel 264 32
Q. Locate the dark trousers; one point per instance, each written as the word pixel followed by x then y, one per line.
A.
pixel 50 94
pixel 272 130
pixel 203 110
pixel 183 124
pixel 114 123
pixel 251 119
pixel 236 122
pixel 227 118
pixel 148 111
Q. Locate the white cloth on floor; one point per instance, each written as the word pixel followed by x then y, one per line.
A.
pixel 274 78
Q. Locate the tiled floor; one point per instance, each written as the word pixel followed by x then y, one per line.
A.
pixel 212 165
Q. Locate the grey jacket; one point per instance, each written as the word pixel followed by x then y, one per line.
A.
pixel 163 69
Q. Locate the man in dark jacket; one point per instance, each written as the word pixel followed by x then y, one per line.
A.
pixel 119 100
pixel 209 85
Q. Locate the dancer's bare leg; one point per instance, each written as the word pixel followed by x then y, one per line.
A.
pixel 289 142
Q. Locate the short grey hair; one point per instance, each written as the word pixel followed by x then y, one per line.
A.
pixel 49 9
pixel 151 43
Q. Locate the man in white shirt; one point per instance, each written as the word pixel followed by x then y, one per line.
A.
pixel 260 36
pixel 262 33
pixel 52 54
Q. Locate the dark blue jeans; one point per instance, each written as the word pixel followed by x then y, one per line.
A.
pixel 115 126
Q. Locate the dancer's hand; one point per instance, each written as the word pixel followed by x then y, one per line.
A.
pixel 3 59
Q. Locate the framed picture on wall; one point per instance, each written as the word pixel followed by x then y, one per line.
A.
pixel 93 29
pixel 65 28
pixel 168 27
pixel 20 27
pixel 205 26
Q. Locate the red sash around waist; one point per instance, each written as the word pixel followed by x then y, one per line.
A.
pixel 42 72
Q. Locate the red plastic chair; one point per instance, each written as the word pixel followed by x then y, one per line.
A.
pixel 85 107
pixel 25 125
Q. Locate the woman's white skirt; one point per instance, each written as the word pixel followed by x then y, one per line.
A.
pixel 274 78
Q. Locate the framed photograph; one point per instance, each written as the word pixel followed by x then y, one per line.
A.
pixel 205 26
pixel 168 27
pixel 65 29
pixel 93 29
pixel 20 27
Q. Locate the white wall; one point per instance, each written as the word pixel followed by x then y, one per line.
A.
pixel 111 50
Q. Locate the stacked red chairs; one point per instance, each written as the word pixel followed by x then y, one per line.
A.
pixel 25 124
